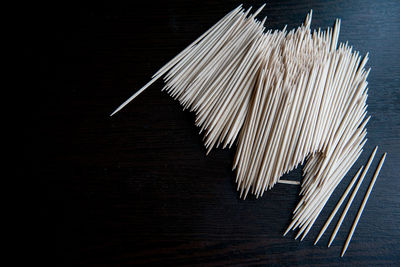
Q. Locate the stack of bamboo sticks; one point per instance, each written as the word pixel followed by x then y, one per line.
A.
pixel 286 97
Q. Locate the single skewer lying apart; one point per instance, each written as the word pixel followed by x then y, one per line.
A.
pixel 360 211
pixel 371 158
pixel 338 205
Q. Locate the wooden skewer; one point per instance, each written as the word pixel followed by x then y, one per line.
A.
pixel 360 211
pixel 164 69
pixel 321 199
pixel 288 182
pixel 349 187
pixel 371 158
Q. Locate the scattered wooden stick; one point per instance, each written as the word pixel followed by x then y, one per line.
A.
pixel 349 187
pixel 288 182
pixel 371 158
pixel 360 211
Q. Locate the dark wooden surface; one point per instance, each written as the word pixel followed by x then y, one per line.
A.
pixel 137 188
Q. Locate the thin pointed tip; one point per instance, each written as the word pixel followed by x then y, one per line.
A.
pixel 115 111
pixel 297 236
pixel 287 231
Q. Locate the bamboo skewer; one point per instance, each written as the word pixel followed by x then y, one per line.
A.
pixel 349 187
pixel 360 211
pixel 288 182
pixel 371 158
pixel 167 66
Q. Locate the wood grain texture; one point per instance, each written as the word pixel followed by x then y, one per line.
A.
pixel 138 189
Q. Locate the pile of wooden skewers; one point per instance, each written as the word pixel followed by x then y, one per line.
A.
pixel 286 97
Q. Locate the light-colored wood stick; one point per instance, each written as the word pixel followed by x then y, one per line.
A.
pixel 319 199
pixel 288 182
pixel 360 211
pixel 319 202
pixel 371 158
pixel 167 66
pixel 349 187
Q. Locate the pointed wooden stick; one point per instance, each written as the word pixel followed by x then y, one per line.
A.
pixel 360 211
pixel 371 158
pixel 288 182
pixel 349 187
pixel 173 61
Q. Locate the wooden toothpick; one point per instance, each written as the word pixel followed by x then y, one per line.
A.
pixel 371 158
pixel 360 211
pixel 349 187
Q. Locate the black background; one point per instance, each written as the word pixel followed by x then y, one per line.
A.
pixel 137 188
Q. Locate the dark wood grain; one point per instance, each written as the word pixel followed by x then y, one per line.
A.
pixel 137 188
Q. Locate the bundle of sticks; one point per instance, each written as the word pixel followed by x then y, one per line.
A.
pixel 286 97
